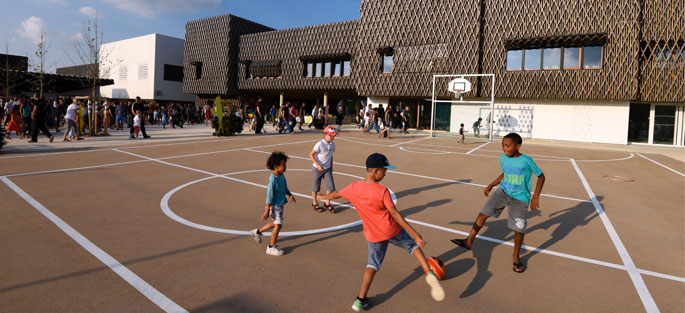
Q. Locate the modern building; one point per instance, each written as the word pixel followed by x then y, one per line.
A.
pixel 149 66
pixel 580 70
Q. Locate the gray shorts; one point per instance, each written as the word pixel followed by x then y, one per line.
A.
pixel 276 214
pixel 517 209
pixel 377 249
pixel 327 175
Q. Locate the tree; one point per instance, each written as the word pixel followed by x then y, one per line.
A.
pixel 92 56
pixel 42 49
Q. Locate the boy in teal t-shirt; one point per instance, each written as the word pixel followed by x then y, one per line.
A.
pixel 513 192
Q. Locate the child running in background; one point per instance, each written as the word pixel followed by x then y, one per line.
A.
pixel 322 156
pixel 277 190
pixel 461 133
pixel 513 192
pixel 136 123
pixel 383 224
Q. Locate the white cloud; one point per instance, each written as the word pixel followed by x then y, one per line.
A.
pixel 149 8
pixel 88 11
pixel 76 37
pixel 32 29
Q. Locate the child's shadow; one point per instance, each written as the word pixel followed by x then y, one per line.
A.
pixel 452 270
pixel 568 219
pixel 482 252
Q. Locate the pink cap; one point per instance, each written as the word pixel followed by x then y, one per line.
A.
pixel 330 130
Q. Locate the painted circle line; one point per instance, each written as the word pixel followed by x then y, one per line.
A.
pixel 164 204
pixel 424 151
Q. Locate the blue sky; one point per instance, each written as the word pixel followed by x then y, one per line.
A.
pixel 63 20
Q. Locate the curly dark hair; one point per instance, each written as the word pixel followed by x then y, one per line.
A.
pixel 514 137
pixel 275 159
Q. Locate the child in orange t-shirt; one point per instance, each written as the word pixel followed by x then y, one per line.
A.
pixel 382 224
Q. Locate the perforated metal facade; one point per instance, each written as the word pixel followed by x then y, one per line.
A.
pixel 212 45
pixel 642 56
pixel 293 48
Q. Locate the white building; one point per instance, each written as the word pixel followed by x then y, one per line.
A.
pixel 149 66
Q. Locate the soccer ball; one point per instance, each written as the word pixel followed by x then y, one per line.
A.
pixel 437 267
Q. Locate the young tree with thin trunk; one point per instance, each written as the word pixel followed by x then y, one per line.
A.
pixel 42 49
pixel 92 56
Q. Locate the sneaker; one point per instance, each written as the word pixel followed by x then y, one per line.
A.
pixel 437 292
pixel 275 250
pixel 256 236
pixel 360 304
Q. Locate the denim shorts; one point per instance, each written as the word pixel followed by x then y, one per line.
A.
pixel 377 249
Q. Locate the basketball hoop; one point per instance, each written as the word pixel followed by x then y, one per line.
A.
pixel 459 86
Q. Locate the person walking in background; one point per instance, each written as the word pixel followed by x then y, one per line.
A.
pixel 71 133
pixel 138 106
pixel 301 116
pixel 476 127
pixel 259 116
pixel 25 107
pixel 461 133
pixel 14 124
pixel 38 116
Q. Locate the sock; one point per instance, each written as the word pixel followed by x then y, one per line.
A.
pixel 258 232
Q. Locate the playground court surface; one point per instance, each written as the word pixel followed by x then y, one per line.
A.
pixel 163 226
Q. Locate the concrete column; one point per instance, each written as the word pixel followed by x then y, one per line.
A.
pixel 325 99
pixel 280 99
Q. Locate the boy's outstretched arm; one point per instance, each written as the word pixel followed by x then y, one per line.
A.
pixel 403 223
pixel 331 196
pixel 494 183
pixel 535 200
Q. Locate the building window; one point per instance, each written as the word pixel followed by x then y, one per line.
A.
pixel 532 59
pixel 123 72
pixel 336 68
pixel 346 68
pixel 327 72
pixel 198 69
pixel 173 73
pixel 319 69
pixel 142 71
pixel 551 58
pixel 571 58
pixel 310 69
pixel 514 60
pixel 592 57
pixel 387 63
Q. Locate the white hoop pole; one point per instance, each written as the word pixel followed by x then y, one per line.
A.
pixel 492 109
pixel 433 107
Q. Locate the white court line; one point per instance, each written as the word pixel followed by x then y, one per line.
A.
pixel 423 176
pixel 415 140
pixel 123 146
pixel 130 277
pixel 664 166
pixel 476 148
pixel 642 290
pixel 340 227
pixel 141 161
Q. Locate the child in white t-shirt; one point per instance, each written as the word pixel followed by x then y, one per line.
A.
pixel 322 156
pixel 136 123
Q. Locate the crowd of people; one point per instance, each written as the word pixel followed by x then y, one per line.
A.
pixel 26 116
pixel 382 120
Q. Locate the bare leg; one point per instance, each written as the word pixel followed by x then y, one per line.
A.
pixel 266 227
pixel 518 240
pixel 477 225
pixel 274 234
pixel 418 254
pixel 315 197
pixel 369 273
pixel 328 202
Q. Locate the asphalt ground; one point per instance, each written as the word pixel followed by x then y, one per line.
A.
pixel 161 225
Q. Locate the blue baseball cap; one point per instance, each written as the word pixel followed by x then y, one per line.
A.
pixel 378 160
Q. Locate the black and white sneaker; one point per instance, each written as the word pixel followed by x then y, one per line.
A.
pixel 360 304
